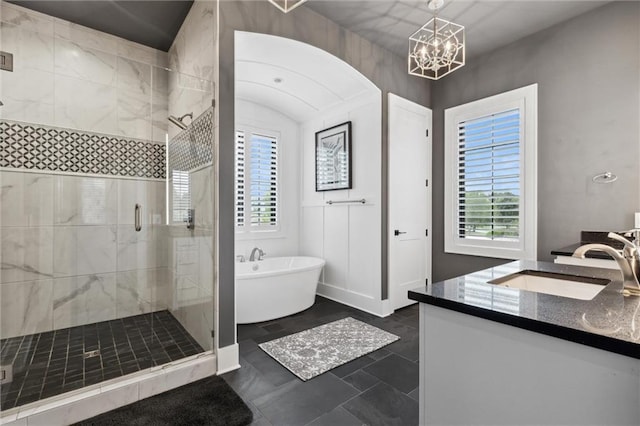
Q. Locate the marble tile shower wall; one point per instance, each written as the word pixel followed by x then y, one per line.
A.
pixel 66 75
pixel 192 253
pixel 69 251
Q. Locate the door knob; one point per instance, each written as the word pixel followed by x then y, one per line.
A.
pixel 397 232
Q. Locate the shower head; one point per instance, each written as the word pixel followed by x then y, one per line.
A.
pixel 178 121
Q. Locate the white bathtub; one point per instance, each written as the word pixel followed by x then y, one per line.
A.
pixel 275 287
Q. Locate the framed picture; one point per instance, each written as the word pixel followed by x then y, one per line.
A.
pixel 333 158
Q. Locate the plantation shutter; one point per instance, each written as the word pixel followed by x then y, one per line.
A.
pixel 263 180
pixel 240 178
pixel 489 177
pixel 181 195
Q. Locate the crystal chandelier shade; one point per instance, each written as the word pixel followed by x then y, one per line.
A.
pixel 286 5
pixel 436 49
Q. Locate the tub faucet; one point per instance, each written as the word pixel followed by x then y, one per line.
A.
pixel 255 250
pixel 628 261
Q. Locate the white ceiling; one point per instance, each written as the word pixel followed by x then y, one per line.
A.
pixel 489 23
pixel 312 80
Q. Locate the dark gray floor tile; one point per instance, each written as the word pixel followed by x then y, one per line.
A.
pixel 271 336
pixel 249 331
pixel 248 381
pixel 379 354
pixel 408 347
pixel 408 311
pixel 414 394
pixel 305 401
pixel 409 344
pixel 271 328
pixel 269 368
pixel 396 371
pixel 351 366
pixel 336 417
pixel 383 405
pixel 361 380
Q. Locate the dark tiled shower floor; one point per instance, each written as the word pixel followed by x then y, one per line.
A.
pixel 51 363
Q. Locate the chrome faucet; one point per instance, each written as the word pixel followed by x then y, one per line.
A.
pixel 255 250
pixel 628 261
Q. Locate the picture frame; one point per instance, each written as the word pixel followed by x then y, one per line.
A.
pixel 333 158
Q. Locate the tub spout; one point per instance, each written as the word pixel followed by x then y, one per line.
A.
pixel 255 250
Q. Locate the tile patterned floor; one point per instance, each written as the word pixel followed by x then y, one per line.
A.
pixel 380 388
pixel 55 362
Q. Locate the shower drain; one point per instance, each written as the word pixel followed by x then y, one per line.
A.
pixel 91 354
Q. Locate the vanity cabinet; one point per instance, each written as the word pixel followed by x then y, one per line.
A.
pixel 512 357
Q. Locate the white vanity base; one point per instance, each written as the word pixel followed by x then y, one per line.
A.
pixel 476 371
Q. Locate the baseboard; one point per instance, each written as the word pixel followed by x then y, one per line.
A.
pixel 380 308
pixel 228 358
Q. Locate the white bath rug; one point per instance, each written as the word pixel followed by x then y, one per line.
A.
pixel 317 350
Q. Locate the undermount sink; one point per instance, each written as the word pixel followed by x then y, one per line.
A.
pixel 572 286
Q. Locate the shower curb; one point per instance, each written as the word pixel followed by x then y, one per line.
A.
pixel 92 400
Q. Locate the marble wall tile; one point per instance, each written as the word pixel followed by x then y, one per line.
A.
pixel 26 18
pixel 26 199
pixel 26 308
pixel 139 52
pixel 202 196
pixel 85 37
pixel 188 94
pixel 28 111
pixel 134 116
pixel 162 245
pixel 159 103
pixel 206 266
pixel 149 194
pixel 30 85
pixel 83 300
pixel 26 254
pixel 85 105
pixel 141 291
pixel 31 50
pixel 134 78
pixel 84 250
pixel 136 250
pixel 85 201
pixel 74 60
pixel 193 51
pixel 196 316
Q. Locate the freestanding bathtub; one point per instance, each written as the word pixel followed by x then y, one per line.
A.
pixel 275 287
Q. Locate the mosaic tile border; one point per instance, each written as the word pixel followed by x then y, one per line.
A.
pixel 192 148
pixel 37 147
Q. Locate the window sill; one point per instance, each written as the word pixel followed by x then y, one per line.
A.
pixel 259 235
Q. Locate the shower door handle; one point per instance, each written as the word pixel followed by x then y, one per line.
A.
pixel 138 217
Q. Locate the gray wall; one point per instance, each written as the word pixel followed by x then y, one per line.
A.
pixel 588 71
pixel 384 69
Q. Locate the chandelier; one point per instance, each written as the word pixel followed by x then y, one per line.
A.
pixel 286 5
pixel 437 48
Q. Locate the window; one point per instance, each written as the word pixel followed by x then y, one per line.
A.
pixel 181 196
pixel 256 181
pixel 491 176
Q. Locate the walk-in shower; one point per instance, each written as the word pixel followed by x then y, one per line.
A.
pixel 99 278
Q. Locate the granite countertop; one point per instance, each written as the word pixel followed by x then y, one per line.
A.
pixel 568 251
pixel 609 321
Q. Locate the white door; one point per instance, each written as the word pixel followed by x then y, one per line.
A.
pixel 409 257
